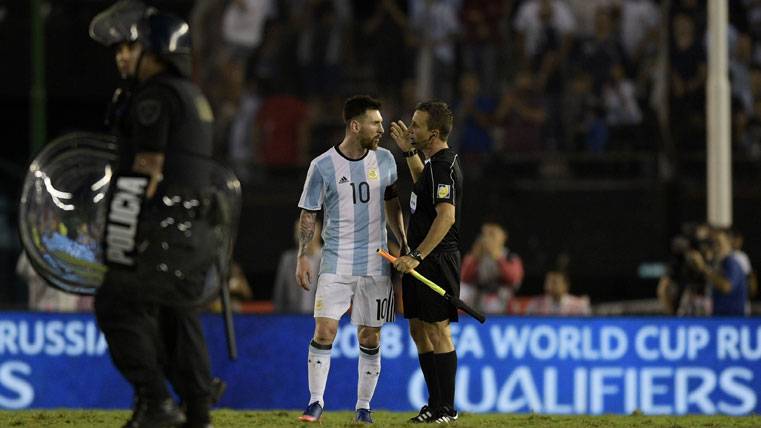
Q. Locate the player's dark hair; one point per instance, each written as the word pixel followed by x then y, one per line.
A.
pixel 358 105
pixel 439 117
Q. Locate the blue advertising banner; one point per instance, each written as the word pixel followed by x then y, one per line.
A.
pixel 544 365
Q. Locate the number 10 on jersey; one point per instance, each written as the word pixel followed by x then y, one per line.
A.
pixel 360 191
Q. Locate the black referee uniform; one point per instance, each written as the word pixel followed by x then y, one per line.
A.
pixel 440 182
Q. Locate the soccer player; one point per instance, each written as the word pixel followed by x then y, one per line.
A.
pixel 355 183
pixel 434 238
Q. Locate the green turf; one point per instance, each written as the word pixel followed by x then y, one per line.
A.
pixel 232 418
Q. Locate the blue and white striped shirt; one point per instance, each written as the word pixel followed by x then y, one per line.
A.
pixel 352 193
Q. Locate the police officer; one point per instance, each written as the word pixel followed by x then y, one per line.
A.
pixel 156 241
pixel 433 236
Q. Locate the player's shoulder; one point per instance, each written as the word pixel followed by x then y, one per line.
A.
pixel 382 151
pixel 319 161
pixel 384 154
pixel 326 155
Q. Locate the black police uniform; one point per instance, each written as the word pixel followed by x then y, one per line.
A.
pixel 440 182
pixel 146 308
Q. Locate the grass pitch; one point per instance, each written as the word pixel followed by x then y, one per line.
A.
pixel 233 418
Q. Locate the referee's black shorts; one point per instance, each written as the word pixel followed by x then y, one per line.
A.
pixel 420 301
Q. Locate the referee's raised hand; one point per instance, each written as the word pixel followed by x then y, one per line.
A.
pixel 401 135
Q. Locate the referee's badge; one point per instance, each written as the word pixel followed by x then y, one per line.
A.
pixel 443 191
pixel 413 202
pixel 372 174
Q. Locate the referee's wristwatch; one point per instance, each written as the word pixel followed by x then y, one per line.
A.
pixel 415 254
pixel 408 154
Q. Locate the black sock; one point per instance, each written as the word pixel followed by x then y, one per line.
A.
pixel 428 366
pixel 314 344
pixel 446 370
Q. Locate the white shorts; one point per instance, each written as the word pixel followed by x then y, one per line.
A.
pixel 371 298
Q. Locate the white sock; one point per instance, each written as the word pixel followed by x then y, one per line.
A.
pixel 369 367
pixel 318 364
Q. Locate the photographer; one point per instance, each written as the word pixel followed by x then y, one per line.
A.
pixel 728 286
pixel 683 290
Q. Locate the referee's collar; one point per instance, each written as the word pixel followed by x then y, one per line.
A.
pixel 445 149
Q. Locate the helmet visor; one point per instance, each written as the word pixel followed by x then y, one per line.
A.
pixel 117 23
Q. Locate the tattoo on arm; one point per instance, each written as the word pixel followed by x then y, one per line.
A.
pixel 307 222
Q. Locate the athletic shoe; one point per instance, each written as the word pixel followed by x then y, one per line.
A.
pixel 364 416
pixel 425 415
pixel 446 415
pixel 312 413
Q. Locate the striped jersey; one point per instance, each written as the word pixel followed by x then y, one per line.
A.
pixel 352 193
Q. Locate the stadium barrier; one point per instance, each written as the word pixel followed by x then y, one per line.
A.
pixel 543 365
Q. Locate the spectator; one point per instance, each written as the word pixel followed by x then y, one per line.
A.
pixel 749 128
pixel 639 26
pixel 727 282
pixel 45 298
pixel 434 27
pixel 243 26
pixel 598 54
pixel 547 28
pixel 536 18
pixel 482 40
pixel 556 299
pixel 288 296
pixel 491 273
pixel 521 115
pixel 584 13
pixel 688 75
pixel 623 114
pixel 381 41
pixel 321 45
pixel 205 21
pixel 281 129
pixel 240 150
pixel 240 290
pixel 473 117
pixel 739 70
pixel 584 115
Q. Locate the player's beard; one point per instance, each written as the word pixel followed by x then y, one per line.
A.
pixel 370 143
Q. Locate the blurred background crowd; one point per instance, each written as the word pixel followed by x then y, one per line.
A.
pixel 581 124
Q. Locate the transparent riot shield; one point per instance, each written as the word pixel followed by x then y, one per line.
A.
pixel 62 210
pixel 64 213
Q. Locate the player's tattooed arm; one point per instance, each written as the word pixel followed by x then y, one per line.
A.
pixel 307 222
pixel 307 225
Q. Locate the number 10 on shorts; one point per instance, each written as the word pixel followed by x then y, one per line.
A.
pixel 383 308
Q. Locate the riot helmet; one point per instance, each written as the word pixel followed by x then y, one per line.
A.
pixel 163 34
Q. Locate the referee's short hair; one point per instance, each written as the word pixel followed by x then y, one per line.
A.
pixel 358 105
pixel 439 117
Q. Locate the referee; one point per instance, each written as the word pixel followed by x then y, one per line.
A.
pixel 433 236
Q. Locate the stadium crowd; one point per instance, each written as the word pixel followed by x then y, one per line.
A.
pixel 525 77
pixel 593 76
